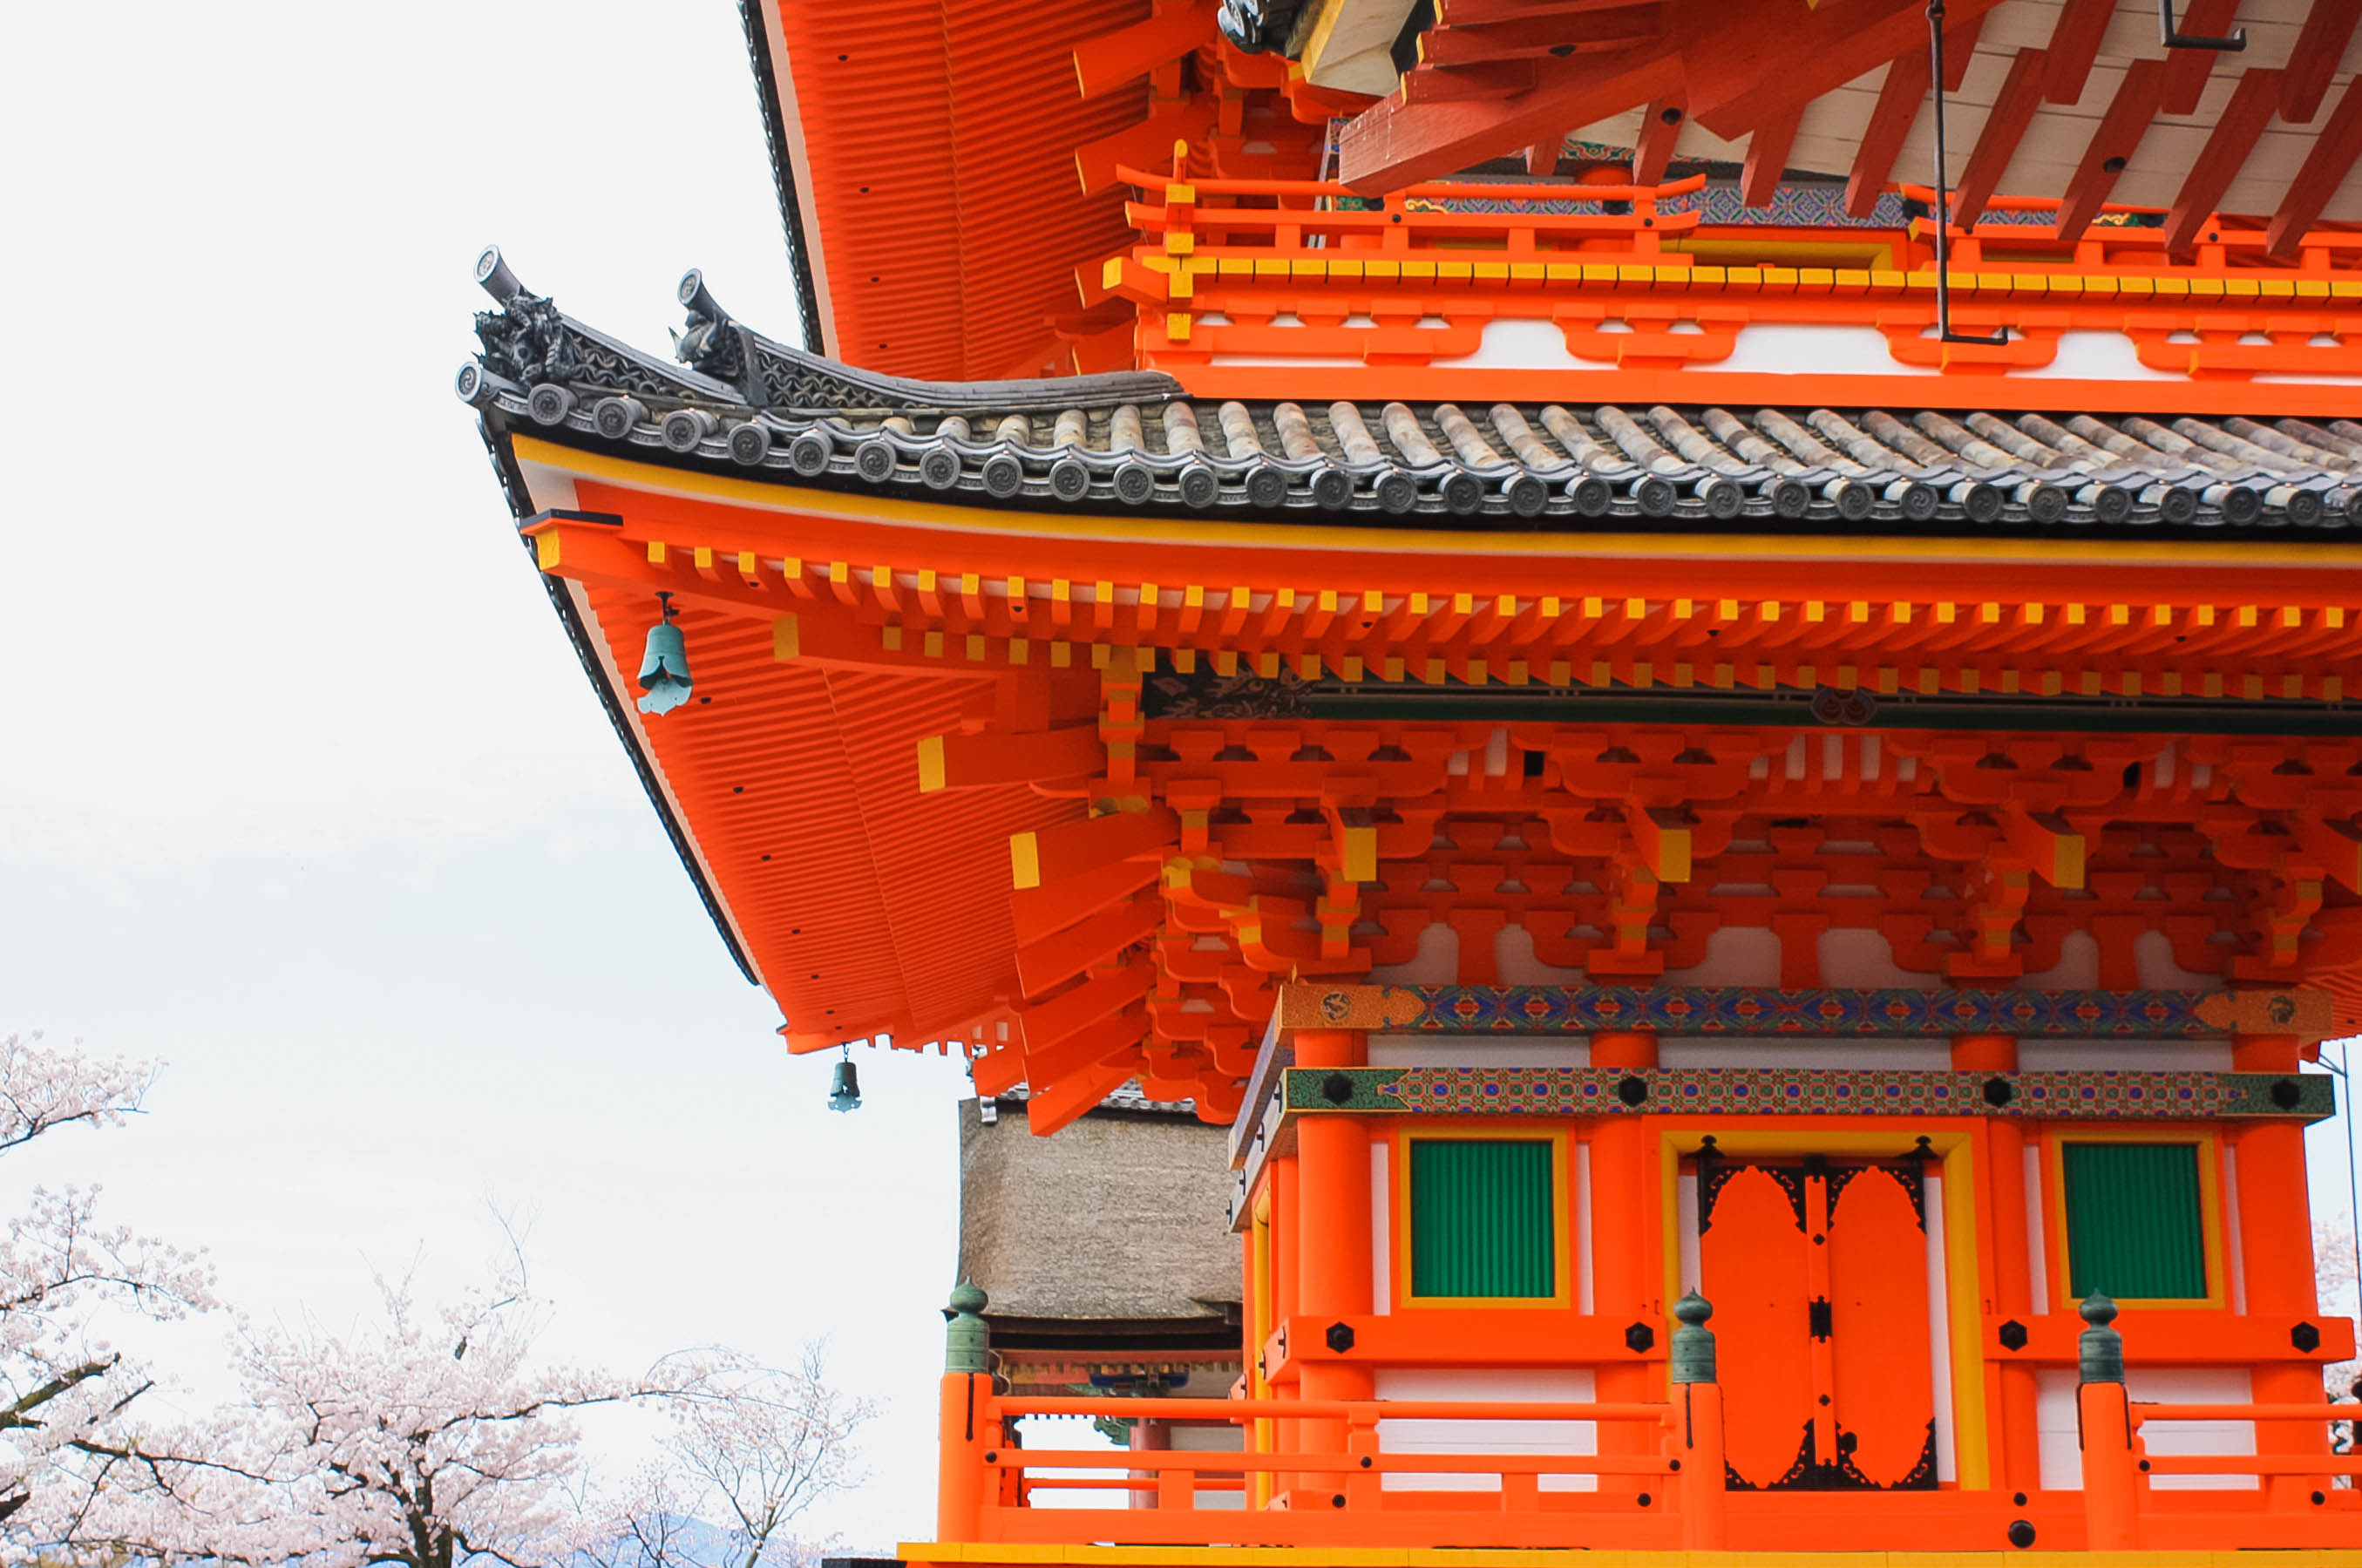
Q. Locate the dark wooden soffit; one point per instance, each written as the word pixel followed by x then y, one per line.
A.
pixel 1495 79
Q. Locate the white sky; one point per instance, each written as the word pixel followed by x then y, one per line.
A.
pixel 300 788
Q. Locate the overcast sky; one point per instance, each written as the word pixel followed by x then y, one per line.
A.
pixel 303 790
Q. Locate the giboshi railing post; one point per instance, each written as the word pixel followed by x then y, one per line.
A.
pixel 1696 1439
pixel 965 1428
pixel 2104 1428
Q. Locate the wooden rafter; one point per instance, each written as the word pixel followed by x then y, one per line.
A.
pixel 1899 97
pixel 1767 158
pixel 2111 146
pixel 2186 69
pixel 1734 63
pixel 2074 45
pixel 2332 158
pixel 1478 79
pixel 2312 63
pixel 1731 93
pixel 2006 123
pixel 1175 29
pixel 2235 135
pixel 1661 127
pixel 1543 38
pixel 1960 49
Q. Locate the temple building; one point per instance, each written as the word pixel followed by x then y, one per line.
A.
pixel 1679 663
pixel 1106 1257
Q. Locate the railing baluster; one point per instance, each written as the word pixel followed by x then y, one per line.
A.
pixel 1696 1439
pixel 2104 1427
pixel 964 1429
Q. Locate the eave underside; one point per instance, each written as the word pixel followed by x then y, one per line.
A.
pixel 833 680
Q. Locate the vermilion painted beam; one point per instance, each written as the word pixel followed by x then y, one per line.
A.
pixel 2333 155
pixel 1791 59
pixel 1485 13
pixel 2328 28
pixel 1734 63
pixel 2111 146
pixel 1767 158
pixel 1960 49
pixel 1661 127
pixel 1176 27
pixel 2243 122
pixel 2186 69
pixel 1399 143
pixel 1055 959
pixel 2006 123
pixel 1543 38
pixel 1490 80
pixel 1899 97
pixel 2074 44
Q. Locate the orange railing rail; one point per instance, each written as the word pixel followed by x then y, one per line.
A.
pixel 1315 1472
pixel 1309 214
pixel 2237 246
pixel 1329 1469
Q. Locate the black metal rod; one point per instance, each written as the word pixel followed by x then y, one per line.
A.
pixel 2176 39
pixel 1944 332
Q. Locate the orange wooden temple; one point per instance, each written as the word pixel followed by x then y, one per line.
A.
pixel 1718 736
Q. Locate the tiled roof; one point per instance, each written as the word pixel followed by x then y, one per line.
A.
pixel 1134 440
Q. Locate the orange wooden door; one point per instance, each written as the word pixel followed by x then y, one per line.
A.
pixel 1817 1271
pixel 1754 1265
pixel 1883 1378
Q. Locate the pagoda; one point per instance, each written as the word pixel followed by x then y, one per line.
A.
pixel 1685 657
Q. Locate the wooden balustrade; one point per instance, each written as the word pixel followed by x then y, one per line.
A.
pixel 1339 1495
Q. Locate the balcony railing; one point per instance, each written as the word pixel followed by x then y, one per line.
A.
pixel 1315 1472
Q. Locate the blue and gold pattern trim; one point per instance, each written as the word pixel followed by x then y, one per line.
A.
pixel 1768 1091
pixel 1827 1013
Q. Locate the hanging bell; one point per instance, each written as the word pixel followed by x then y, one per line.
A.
pixel 664 669
pixel 844 1089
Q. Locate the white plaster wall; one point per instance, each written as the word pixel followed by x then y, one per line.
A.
pixel 1479 1051
pixel 1757 1051
pixel 1523 1385
pixel 1735 956
pixel 1436 962
pixel 2153 952
pixel 1581 1230
pixel 1939 1332
pixel 2038 1247
pixel 2078 968
pixel 1864 958
pixel 1514 961
pixel 2062 1461
pixel 1382 1228
pixel 2125 1055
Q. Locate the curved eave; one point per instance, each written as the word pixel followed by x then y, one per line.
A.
pixel 613 703
pixel 868 910
pixel 926 147
pixel 777 137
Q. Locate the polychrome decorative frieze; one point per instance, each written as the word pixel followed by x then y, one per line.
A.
pixel 1827 1012
pixel 1771 1092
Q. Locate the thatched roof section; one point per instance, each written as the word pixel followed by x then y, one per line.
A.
pixel 1113 1231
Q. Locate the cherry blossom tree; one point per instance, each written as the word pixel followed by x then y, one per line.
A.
pixel 750 1450
pixel 66 1395
pixel 425 1440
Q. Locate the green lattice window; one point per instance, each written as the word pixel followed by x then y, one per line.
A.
pixel 2136 1227
pixel 1483 1217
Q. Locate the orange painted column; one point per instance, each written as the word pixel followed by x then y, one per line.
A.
pixel 1333 1262
pixel 1627 1285
pixel 2276 1257
pixel 2010 1291
pixel 1284 1301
